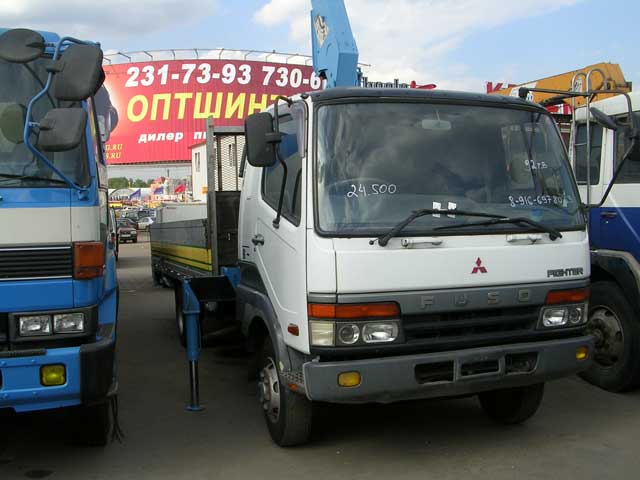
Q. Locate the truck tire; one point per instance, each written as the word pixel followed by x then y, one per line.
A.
pixel 616 365
pixel 180 324
pixel 94 425
pixel 288 415
pixel 512 405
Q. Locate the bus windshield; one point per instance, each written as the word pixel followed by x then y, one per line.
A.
pixel 377 162
pixel 18 166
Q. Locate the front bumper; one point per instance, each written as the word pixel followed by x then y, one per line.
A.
pixel 392 379
pixel 89 376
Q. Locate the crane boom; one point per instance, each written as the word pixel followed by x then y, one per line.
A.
pixel 335 53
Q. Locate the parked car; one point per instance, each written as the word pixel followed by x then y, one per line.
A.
pixel 126 232
pixel 145 222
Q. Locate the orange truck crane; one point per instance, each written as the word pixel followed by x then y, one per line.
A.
pixel 603 76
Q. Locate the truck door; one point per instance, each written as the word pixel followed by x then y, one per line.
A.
pixel 619 217
pixel 280 250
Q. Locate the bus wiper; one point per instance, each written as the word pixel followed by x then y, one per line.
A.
pixel 31 177
pixel 383 240
pixel 553 233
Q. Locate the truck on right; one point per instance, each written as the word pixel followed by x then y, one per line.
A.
pixel 606 159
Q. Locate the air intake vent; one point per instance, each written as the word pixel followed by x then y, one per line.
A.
pixel 37 262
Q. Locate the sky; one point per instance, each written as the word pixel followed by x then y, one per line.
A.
pixel 456 44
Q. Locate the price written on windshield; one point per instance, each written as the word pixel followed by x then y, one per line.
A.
pixel 530 200
pixel 362 190
pixel 205 73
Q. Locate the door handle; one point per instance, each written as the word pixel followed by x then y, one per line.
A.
pixel 257 239
pixel 608 214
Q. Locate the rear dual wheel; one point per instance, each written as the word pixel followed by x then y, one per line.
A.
pixel 512 405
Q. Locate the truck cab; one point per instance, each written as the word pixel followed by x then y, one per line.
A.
pixel 58 286
pixel 406 244
pixel 615 244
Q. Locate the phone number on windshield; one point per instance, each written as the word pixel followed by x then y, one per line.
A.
pixel 530 200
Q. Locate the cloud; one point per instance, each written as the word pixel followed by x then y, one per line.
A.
pixel 411 39
pixel 107 20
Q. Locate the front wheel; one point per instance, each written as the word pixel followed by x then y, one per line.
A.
pixel 512 405
pixel 616 365
pixel 288 415
pixel 94 425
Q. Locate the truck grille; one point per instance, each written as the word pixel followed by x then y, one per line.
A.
pixel 471 327
pixel 37 262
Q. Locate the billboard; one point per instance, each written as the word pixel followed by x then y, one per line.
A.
pixel 159 108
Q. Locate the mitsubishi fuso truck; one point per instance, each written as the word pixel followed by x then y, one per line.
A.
pixel 393 244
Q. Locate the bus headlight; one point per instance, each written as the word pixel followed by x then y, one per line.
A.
pixel 68 322
pixel 34 325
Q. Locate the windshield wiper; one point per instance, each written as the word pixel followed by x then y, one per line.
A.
pixel 553 233
pixel 384 239
pixel 31 177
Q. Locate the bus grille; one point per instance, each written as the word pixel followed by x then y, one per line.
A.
pixel 36 262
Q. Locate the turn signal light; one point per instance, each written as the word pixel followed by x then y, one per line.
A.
pixel 350 311
pixel 582 353
pixel 578 295
pixel 88 260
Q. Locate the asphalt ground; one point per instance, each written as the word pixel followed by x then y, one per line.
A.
pixel 580 432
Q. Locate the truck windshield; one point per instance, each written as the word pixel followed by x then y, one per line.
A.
pixel 18 166
pixel 378 162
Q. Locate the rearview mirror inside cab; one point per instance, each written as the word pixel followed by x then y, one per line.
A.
pixel 260 145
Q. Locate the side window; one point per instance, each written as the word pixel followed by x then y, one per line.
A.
pixel 581 153
pixel 272 176
pixel 631 169
pixel 95 132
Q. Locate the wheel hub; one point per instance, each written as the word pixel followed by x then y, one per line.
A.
pixel 606 327
pixel 269 390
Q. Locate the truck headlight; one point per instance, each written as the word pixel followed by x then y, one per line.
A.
pixel 380 332
pixel 34 325
pixel 564 315
pixel 348 334
pixel 68 322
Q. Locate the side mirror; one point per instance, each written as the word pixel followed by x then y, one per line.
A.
pixel 261 140
pixel 603 119
pixel 21 45
pixel 103 129
pixel 61 129
pixel 12 118
pixel 79 73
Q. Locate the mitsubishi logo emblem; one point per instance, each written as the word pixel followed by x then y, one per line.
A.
pixel 479 267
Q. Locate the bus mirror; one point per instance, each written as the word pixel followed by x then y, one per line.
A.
pixel 603 119
pixel 12 117
pixel 61 129
pixel 21 45
pixel 261 139
pixel 78 73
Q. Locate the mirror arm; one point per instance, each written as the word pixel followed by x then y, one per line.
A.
pixel 29 124
pixel 277 137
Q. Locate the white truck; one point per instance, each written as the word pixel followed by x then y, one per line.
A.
pixel 426 244
pixel 397 244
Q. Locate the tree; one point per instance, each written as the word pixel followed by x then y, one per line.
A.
pixel 118 182
pixel 138 183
